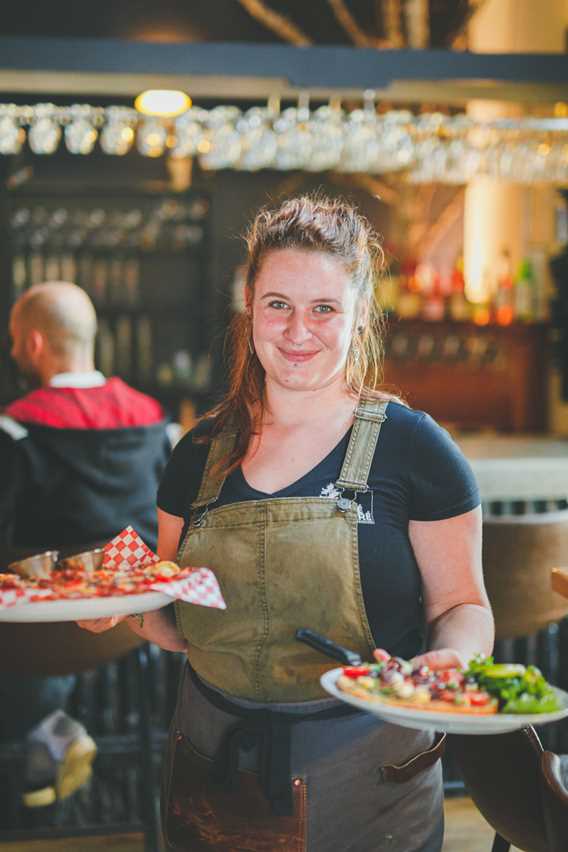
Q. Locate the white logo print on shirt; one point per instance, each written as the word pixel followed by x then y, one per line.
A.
pixel 364 515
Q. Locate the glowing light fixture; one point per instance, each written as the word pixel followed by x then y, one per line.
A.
pixel 166 103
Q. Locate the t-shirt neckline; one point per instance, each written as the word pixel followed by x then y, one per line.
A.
pixel 243 485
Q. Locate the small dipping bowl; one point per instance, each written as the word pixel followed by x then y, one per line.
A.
pixel 90 560
pixel 41 565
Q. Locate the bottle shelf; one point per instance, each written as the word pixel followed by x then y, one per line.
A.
pixel 144 261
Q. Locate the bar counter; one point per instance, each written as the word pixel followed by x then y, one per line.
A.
pixel 518 467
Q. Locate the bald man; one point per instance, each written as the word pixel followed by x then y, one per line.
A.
pixel 80 459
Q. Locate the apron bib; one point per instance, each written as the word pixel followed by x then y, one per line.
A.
pixel 258 760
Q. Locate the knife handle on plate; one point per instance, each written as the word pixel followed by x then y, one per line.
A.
pixel 328 647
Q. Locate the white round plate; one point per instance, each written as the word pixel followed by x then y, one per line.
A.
pixel 84 608
pixel 452 723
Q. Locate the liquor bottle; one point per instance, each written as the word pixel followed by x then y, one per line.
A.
pixel 538 257
pixel 132 280
pixel 524 291
pixel 19 274
pixel 68 268
pixel 459 307
pixel 52 268
pixel 36 274
pixel 144 342
pixel 123 346
pixel 388 288
pixel 85 273
pixel 100 280
pixel 409 300
pixel 105 348
pixel 433 305
pixel 504 296
pixel 481 310
pixel 116 281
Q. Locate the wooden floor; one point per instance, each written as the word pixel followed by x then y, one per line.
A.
pixel 114 843
pixel 466 831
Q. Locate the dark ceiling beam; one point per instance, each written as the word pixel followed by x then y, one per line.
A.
pixel 338 69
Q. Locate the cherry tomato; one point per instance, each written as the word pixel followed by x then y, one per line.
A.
pixel 479 699
pixel 356 671
pixel 448 695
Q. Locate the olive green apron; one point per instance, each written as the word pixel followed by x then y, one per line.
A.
pixel 282 563
pixel 258 760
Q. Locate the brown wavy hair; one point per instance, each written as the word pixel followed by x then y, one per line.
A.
pixel 311 223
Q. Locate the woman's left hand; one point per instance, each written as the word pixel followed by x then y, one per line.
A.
pixel 441 658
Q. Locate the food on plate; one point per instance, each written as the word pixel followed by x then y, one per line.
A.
pixel 481 689
pixel 517 688
pixel 71 579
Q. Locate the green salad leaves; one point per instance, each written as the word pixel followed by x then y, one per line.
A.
pixel 519 689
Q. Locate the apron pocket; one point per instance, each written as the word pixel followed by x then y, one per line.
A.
pixel 402 772
pixel 199 814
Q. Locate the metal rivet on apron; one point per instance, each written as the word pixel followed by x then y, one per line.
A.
pixel 343 504
pixel 296 782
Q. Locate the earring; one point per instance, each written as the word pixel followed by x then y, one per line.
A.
pixel 250 346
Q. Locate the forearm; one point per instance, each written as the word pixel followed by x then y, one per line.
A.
pixel 466 628
pixel 159 627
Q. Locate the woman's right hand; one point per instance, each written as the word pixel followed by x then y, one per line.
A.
pixel 156 627
pixel 101 625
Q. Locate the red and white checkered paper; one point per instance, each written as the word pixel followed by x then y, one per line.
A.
pixel 126 550
pixel 197 586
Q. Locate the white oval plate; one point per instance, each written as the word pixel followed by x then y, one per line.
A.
pixel 78 609
pixel 451 723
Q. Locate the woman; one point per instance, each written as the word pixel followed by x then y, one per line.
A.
pixel 322 503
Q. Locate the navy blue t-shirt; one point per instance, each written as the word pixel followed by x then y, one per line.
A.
pixel 418 473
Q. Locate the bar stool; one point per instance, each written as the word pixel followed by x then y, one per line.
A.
pixel 519 552
pixel 519 788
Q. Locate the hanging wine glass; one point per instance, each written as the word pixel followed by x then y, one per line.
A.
pixel 394 150
pixel 294 138
pixel 80 133
pixel 361 143
pixel 189 132
pixel 117 135
pixel 258 140
pixel 45 132
pixel 326 130
pixel 151 137
pixel 12 134
pixel 221 147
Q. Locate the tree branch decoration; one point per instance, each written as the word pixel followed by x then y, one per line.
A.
pixel 279 24
pixel 350 25
pixel 417 14
pixel 392 21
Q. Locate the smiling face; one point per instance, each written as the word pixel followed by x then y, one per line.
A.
pixel 304 313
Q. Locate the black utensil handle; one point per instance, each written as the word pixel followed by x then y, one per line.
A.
pixel 328 647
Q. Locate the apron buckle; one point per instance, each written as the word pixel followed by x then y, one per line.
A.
pixel 199 519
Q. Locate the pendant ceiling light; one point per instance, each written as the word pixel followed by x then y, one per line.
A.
pixel 164 103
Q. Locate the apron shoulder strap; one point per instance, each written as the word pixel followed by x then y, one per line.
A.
pixel 369 417
pixel 212 480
